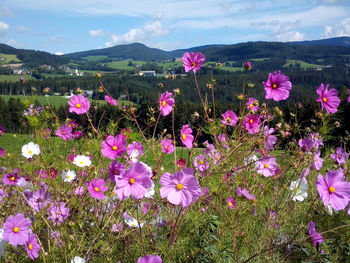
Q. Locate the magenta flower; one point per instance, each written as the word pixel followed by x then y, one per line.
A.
pixel 277 86
pixel 315 236
pixel 79 104
pixel 267 166
pixel 2 130
pixel 244 192
pixel 113 147
pixel 110 100
pixel 269 139
pixel 97 187
pixel 231 202
pixel 11 178
pixel 77 134
pixel 149 259
pixel 16 229
pixel 317 162
pixel 181 163
pixel 134 181
pixel 32 247
pixel 340 156
pixel 167 146
pixel 166 103
pixel 193 61
pixel 134 150
pixel 248 65
pixel 186 136
pixel 58 212
pixel 229 118
pixel 200 163
pixel 252 123
pixel 181 188
pixel 252 104
pixel 349 95
pixel 65 132
pixel 328 98
pixel 333 189
pixel 115 169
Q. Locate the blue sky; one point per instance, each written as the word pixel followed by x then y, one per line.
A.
pixel 65 26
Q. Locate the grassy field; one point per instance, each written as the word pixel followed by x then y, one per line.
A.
pixel 9 58
pixel 14 78
pixel 303 64
pixel 94 58
pixel 123 64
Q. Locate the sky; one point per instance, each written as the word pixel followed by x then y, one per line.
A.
pixel 67 26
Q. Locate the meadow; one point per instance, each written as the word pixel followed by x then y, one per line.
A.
pixel 260 188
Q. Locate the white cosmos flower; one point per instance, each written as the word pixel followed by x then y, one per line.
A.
pixel 299 190
pixel 77 260
pixel 68 176
pixel 82 161
pixel 132 222
pixel 2 243
pixel 30 149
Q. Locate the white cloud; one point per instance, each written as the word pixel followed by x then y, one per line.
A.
pixel 340 30
pixel 149 31
pixel 290 36
pixel 97 33
pixel 5 11
pixel 15 43
pixel 3 28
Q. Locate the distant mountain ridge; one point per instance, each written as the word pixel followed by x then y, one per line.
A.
pixel 336 41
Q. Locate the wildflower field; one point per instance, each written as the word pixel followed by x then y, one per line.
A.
pixel 260 189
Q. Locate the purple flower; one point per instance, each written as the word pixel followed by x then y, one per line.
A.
pixel 277 86
pixel 267 166
pixel 113 147
pixel 2 195
pixel 193 61
pixel 349 95
pixel 269 139
pixel 166 103
pixel 16 229
pixel 181 188
pixel 231 202
pixel 32 247
pixel 317 162
pixel 58 213
pixel 186 136
pixel 134 181
pixel 244 192
pixel 167 146
pixel 252 104
pixel 149 259
pixel 252 123
pixel 2 130
pixel 134 150
pixel 110 100
pixel 340 156
pixel 115 169
pixel 328 98
pixel 200 163
pixel 248 65
pixel 229 118
pixel 315 236
pixel 38 200
pixel 77 134
pixel 65 132
pixel 11 178
pixel 311 143
pixel 97 187
pixel 32 110
pixel 79 104
pixel 333 189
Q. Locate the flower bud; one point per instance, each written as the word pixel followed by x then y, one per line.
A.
pixel 248 65
pixel 98 75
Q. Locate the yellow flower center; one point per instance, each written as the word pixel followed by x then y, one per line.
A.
pixel 179 186
pixel 63 133
pixel 78 105
pixel 81 162
pixel 15 229
pixel 115 147
pixel 331 189
pixel 274 86
pixel 163 103
pixel 339 155
pixel 184 136
pixel 30 152
pixel 228 119
pixel 201 162
pixel 251 105
pixel 251 121
pixel 165 147
pixel 68 176
pixel 266 165
pixel 230 204
pixel 324 99
pixel 97 189
pixel 193 64
pixel 12 178
pixel 30 246
pixel 132 180
pixel 58 212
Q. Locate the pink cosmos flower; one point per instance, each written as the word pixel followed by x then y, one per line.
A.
pixel 333 189
pixel 244 192
pixel 149 259
pixel 277 86
pixel 252 104
pixel 115 169
pixel 134 150
pixel 317 162
pixel 193 61
pixel 328 98
pixel 315 236
pixel 248 65
pixel 340 156
pixel 32 247
pixel 11 179
pixel 252 123
pixel 110 100
pixel 200 163
pixel 2 130
pixel 181 188
pixel 229 118
pixel 97 187
pixel 166 103
pixel 186 136
pixel 167 146
pixel 182 163
pixel 79 104
pixel 77 135
pixel 134 181
pixel 231 202
pixel 269 139
pixel 65 132
pixel 16 229
pixel 58 212
pixel 267 166
pixel 113 147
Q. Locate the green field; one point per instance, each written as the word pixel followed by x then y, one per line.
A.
pixel 14 78
pixel 9 58
pixel 94 58
pixel 123 64
pixel 303 64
